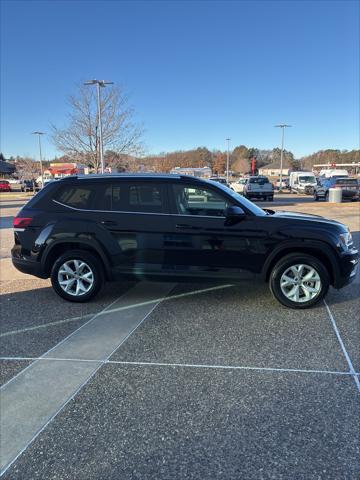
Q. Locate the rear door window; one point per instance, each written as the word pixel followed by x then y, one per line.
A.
pixel 139 197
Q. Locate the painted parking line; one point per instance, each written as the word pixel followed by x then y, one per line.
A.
pixel 38 393
pixel 342 345
pixel 188 365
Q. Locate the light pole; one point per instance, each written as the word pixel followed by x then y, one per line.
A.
pixel 282 126
pixel 41 165
pixel 228 159
pixel 99 83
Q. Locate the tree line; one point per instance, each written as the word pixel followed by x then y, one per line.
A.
pixel 78 140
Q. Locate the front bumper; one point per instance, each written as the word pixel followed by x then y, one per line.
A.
pixel 349 264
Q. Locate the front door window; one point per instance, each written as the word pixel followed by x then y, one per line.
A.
pixel 191 200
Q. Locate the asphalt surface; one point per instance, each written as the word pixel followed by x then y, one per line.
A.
pixel 211 383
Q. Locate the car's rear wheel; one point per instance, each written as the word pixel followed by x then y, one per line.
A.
pixel 77 276
pixel 299 281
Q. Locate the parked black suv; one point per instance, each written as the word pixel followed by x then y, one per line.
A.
pixel 81 231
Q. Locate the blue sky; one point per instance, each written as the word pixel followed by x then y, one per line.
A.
pixel 197 72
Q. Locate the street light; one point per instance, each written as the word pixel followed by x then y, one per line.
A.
pixel 228 159
pixel 99 83
pixel 282 126
pixel 41 165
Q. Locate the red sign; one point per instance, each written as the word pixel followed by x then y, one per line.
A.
pixel 253 165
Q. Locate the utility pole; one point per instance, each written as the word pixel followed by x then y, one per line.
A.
pixel 228 159
pixel 40 153
pixel 282 126
pixel 99 83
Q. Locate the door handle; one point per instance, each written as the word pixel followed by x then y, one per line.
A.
pixel 108 223
pixel 184 226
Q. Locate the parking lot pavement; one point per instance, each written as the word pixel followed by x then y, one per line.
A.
pixel 216 382
pixel 35 318
pixel 134 422
pixel 246 328
pixel 10 368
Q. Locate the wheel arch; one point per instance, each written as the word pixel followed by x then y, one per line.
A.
pixel 322 252
pixel 59 247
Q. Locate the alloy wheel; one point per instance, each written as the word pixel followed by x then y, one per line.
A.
pixel 75 277
pixel 300 283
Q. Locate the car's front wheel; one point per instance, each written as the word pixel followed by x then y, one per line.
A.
pixel 77 276
pixel 299 281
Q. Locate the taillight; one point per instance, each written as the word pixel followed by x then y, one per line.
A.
pixel 21 222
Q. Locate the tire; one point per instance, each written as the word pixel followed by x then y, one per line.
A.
pixel 326 196
pixel 89 283
pixel 319 281
pixel 316 198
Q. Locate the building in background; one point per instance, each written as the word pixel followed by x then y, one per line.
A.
pixel 59 170
pixel 273 170
pixel 353 168
pixel 201 172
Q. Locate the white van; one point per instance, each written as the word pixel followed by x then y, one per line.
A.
pixel 298 181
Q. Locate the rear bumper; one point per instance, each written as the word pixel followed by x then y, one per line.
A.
pixel 29 267
pixel 259 194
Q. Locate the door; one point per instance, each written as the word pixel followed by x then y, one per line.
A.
pixel 137 222
pixel 201 245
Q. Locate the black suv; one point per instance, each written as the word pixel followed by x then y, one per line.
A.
pixel 81 231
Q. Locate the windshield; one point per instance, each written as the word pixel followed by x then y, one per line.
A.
pixel 307 179
pixel 243 201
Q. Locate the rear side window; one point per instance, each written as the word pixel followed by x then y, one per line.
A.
pixel 85 197
pixel 77 196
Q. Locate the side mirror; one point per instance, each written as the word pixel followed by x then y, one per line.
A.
pixel 234 214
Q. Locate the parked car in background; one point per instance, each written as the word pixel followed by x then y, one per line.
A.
pixel 220 180
pixel 349 187
pixel 298 181
pixel 5 186
pixel 284 184
pixel 239 185
pixel 82 231
pixel 259 187
pixel 29 186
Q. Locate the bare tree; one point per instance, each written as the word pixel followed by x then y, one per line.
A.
pixel 80 138
pixel 27 169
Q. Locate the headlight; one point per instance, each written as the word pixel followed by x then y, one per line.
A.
pixel 346 240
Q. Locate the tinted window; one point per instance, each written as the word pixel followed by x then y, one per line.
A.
pixel 138 197
pixel 190 200
pixel 260 180
pixel 85 196
pixel 346 181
